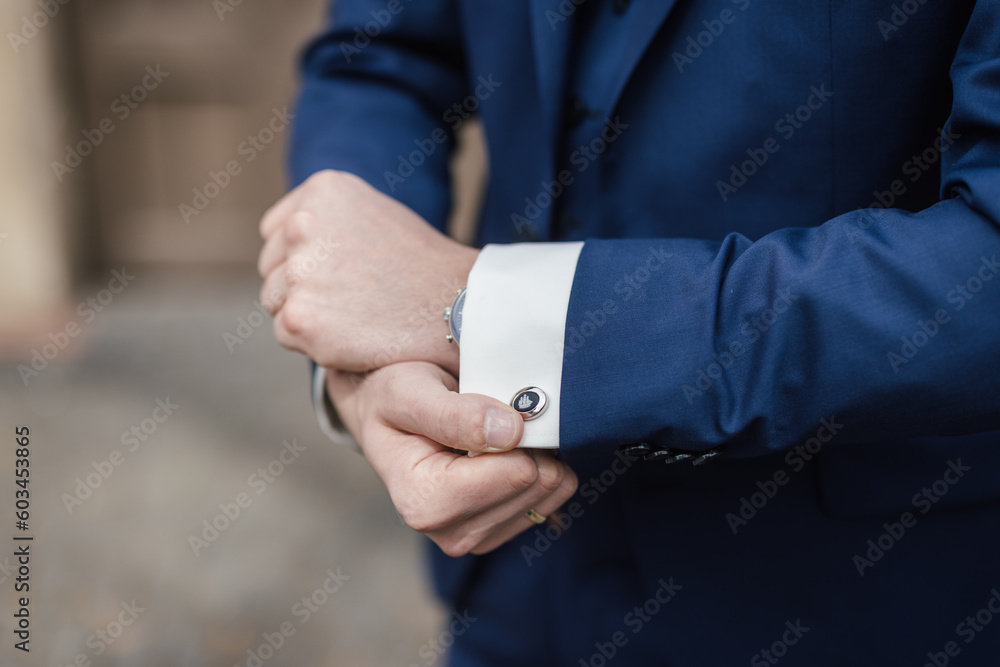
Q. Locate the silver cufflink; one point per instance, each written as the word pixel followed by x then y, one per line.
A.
pixel 530 402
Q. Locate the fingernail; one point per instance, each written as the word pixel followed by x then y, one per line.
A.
pixel 500 429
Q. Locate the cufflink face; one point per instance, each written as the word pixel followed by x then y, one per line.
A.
pixel 530 402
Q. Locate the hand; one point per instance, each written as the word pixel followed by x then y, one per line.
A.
pixel 356 280
pixel 407 415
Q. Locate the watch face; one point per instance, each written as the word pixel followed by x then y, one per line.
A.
pixel 455 320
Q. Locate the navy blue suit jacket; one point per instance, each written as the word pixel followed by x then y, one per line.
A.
pixel 791 220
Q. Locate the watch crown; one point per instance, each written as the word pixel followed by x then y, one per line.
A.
pixel 453 316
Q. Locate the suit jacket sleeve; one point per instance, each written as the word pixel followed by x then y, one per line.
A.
pixel 885 321
pixel 377 85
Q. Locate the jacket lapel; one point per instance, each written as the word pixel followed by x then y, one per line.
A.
pixel 651 18
pixel 552 30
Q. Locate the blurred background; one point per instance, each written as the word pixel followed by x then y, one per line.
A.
pixel 184 507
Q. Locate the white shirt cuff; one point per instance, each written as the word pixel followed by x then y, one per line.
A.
pixel 326 414
pixel 513 327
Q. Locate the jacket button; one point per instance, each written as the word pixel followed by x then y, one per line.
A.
pixel 705 456
pixel 636 449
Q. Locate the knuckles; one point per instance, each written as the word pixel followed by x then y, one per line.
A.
pixel 570 483
pixel 272 299
pixel 422 519
pixel 451 418
pixel 298 228
pixel 457 547
pixel 291 275
pixel 294 317
pixel 521 471
pixel 551 474
pixel 330 181
pixel 441 525
pixel 293 324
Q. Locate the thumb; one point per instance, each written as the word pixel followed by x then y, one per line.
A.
pixel 421 402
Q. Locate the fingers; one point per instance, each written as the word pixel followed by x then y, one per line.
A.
pixel 273 263
pixel 424 403
pixel 342 386
pixel 553 485
pixel 274 291
pixel 283 208
pixel 407 415
pixel 297 230
pixel 452 491
pixel 343 391
pixel 327 183
pixel 432 487
pixel 273 254
pixel 520 522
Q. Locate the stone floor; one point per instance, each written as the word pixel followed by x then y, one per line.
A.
pixel 128 541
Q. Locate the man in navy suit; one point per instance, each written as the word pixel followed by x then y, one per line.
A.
pixel 740 270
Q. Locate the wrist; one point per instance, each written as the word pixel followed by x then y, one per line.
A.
pixel 447 354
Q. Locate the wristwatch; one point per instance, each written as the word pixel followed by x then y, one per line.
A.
pixel 453 316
